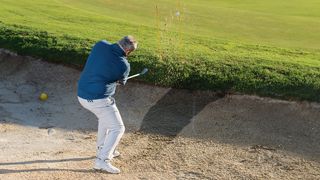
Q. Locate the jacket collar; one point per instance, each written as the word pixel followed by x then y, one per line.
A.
pixel 117 49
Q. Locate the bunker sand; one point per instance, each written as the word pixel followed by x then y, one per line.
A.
pixel 170 133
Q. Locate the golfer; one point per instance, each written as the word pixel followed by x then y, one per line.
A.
pixel 106 67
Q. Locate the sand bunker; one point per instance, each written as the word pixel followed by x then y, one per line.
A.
pixel 202 134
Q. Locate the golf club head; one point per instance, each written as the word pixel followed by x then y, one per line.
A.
pixel 144 71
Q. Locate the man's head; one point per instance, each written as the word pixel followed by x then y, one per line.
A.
pixel 128 44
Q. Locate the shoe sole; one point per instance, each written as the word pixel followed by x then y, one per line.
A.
pixel 102 170
pixel 116 156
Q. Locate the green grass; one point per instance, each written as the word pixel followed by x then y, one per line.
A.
pixel 257 47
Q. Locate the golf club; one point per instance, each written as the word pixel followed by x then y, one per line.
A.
pixel 145 70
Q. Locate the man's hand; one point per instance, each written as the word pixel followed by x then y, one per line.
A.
pixel 120 82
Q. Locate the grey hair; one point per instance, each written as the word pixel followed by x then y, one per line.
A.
pixel 128 43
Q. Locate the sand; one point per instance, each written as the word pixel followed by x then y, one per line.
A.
pixel 170 133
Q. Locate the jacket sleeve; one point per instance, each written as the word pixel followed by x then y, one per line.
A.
pixel 125 75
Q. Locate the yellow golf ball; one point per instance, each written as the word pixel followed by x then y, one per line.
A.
pixel 43 96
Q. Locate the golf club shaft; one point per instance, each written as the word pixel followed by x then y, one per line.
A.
pixel 133 76
pixel 139 74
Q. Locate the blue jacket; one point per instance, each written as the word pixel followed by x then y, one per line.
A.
pixel 105 65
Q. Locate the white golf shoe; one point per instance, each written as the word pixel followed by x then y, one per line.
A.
pixel 105 166
pixel 115 154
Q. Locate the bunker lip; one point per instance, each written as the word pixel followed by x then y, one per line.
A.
pixel 233 119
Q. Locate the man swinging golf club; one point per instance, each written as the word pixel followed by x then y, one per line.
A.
pixel 106 67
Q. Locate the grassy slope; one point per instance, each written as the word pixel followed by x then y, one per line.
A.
pixel 238 61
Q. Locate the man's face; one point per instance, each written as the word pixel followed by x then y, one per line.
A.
pixel 129 52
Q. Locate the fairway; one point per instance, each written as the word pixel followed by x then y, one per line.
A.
pixel 267 48
pixel 286 24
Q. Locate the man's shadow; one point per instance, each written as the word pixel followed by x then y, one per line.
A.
pixel 10 171
pixel 175 110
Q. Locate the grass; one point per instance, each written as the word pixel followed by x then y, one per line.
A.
pixel 265 48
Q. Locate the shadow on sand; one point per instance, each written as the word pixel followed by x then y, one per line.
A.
pixel 10 171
